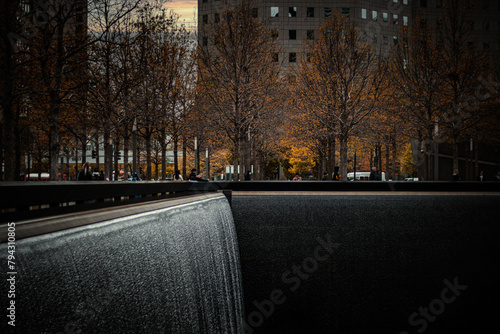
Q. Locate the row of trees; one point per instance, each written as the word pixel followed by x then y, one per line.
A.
pixel 135 72
pixel 343 97
pixel 77 73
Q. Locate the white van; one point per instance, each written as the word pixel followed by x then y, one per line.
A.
pixel 362 176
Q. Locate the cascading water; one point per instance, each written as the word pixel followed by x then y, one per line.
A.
pixel 174 270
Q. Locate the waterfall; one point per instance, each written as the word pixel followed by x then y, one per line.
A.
pixel 172 270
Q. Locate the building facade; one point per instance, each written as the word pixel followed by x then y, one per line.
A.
pixel 295 22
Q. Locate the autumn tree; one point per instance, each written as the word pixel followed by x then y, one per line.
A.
pixel 415 71
pixel 463 66
pixel 237 75
pixel 53 54
pixel 338 81
pixel 176 69
pixel 10 32
pixel 110 71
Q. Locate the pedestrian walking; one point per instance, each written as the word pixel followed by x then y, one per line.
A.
pixel 85 174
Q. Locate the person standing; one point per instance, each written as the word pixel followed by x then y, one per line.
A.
pixel 85 174
pixel 178 176
pixel 336 175
pixel 481 177
pixel 373 174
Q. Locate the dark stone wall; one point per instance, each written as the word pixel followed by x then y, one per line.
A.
pixel 369 264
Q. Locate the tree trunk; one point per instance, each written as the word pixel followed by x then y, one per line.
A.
pixel 107 148
pixel 148 157
pixel 54 139
pixel 176 158
pixel 394 151
pixel 236 152
pixel 455 153
pixel 184 158
pixel 116 168
pixel 164 155
pixel 331 155
pixel 343 158
pixel 387 162
pixel 84 151
pixel 97 153
pixel 17 164
pixel 126 144
pixel 476 160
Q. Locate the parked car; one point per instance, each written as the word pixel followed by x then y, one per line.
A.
pixel 362 176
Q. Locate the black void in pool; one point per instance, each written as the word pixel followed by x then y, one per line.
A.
pixel 369 264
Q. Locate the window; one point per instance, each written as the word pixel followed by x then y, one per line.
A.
pixel 486 4
pixel 395 40
pixel 439 3
pixel 385 17
pixel 364 37
pixel 405 20
pixel 205 19
pixel 346 12
pixel 255 12
pixel 26 7
pixel 310 34
pixel 205 0
pixel 374 38
pixel 310 11
pixel 275 11
pixel 405 2
pixel 292 12
pixel 363 13
pixel 217 18
pixel 292 57
pixel 328 12
pixel 385 40
pixel 275 57
pixel 395 18
pixel 486 46
pixel 423 3
pixel 374 15
pixel 292 34
pixel 486 26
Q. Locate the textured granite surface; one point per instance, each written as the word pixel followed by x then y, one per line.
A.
pixel 369 264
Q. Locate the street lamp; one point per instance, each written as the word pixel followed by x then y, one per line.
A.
pixel 207 164
pixel 196 154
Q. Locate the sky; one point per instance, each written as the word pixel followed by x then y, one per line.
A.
pixel 186 9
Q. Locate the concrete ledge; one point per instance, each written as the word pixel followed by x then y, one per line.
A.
pixel 377 186
pixel 362 193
